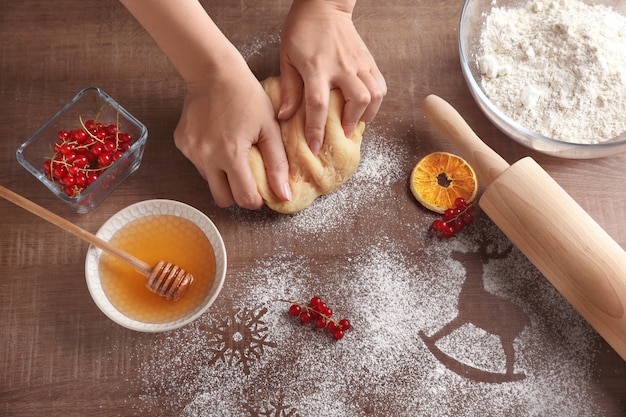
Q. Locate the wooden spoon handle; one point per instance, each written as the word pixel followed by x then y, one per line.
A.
pixel 448 122
pixel 74 229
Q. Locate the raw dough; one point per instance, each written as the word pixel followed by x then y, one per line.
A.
pixel 309 175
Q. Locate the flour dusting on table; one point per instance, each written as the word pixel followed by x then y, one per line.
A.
pixel 232 361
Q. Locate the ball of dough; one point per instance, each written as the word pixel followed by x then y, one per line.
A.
pixel 310 176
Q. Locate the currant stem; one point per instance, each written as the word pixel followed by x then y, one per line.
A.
pixel 91 135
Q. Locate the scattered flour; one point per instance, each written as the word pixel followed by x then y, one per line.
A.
pixel 256 46
pixel 389 295
pixel 231 361
pixel 558 67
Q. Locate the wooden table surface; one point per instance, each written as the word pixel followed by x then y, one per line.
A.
pixel 366 250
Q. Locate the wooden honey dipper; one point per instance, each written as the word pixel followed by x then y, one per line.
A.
pixel 165 279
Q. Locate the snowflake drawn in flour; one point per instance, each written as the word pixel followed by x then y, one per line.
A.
pixel 238 339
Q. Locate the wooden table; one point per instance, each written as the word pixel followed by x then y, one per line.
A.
pixel 366 250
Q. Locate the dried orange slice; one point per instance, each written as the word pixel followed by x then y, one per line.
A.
pixel 440 178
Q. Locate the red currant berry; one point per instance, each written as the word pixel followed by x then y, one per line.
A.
pixel 92 177
pixel 321 305
pixel 97 149
pixel 80 161
pixel 63 135
pixel 81 180
pixel 460 203
pixel 81 136
pixel 295 310
pixel 448 231
pixel 47 168
pixel 100 134
pixel 73 170
pixel 70 191
pixel 125 137
pixel 315 302
pixel 320 322
pixel 59 171
pixel 70 156
pixel 104 160
pixel 111 130
pixel 69 181
pixel 451 214
pixel 305 317
pixel 333 327
pixel 345 324
pixel 109 145
pixel 438 225
pixel 338 334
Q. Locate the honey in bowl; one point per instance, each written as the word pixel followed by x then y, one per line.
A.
pixel 153 238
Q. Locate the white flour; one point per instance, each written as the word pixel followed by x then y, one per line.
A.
pixel 558 67
pixel 389 293
pixel 388 298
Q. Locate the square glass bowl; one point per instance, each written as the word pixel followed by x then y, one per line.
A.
pixel 89 104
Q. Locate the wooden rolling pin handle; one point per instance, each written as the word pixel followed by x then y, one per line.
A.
pixel 66 225
pixel 449 123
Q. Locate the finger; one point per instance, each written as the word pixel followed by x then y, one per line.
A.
pixel 276 164
pixel 243 185
pixel 357 98
pixel 290 91
pixel 220 189
pixel 376 85
pixel 316 97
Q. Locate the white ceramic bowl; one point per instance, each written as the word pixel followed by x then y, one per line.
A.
pixel 472 23
pixel 150 208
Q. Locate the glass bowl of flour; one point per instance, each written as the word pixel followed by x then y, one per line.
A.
pixel 550 74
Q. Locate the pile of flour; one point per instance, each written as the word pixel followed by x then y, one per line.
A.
pixel 558 67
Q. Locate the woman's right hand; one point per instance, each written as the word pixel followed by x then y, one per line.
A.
pixel 226 110
pixel 221 119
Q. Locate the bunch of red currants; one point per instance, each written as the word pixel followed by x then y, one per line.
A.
pixel 318 313
pixel 455 218
pixel 82 155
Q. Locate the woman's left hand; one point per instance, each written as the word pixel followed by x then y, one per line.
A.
pixel 321 50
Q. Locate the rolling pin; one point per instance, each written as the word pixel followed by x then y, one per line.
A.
pixel 544 222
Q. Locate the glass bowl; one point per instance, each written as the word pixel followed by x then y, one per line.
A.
pixel 151 230
pixel 89 104
pixel 473 18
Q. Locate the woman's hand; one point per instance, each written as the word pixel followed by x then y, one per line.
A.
pixel 321 50
pixel 226 110
pixel 220 121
